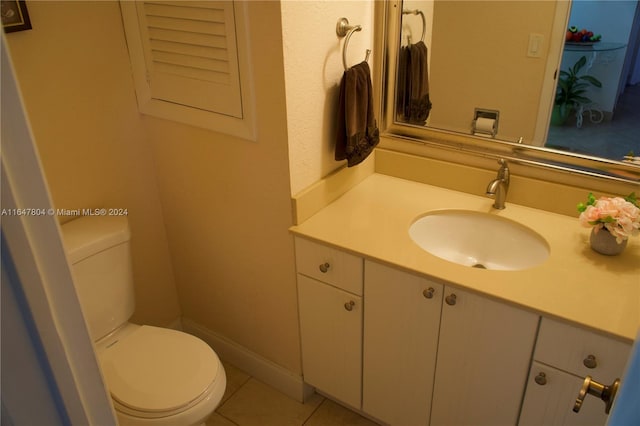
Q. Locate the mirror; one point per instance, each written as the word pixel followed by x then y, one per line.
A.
pixel 487 70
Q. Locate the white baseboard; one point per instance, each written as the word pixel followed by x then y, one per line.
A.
pixel 251 363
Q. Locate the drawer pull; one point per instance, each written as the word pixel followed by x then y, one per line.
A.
pixel 590 361
pixel 428 293
pixel 541 379
pixel 606 393
pixel 451 299
pixel 324 267
pixel 349 305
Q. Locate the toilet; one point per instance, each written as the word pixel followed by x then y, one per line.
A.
pixel 156 376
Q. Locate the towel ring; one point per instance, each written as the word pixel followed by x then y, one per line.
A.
pixel 344 29
pixel 424 21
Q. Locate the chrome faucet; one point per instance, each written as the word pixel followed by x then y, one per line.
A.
pixel 499 186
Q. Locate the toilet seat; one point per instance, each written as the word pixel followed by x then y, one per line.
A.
pixel 156 372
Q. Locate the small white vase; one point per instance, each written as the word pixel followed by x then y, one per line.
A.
pixel 605 243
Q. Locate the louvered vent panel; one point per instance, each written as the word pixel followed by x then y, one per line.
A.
pixel 188 40
pixel 190 51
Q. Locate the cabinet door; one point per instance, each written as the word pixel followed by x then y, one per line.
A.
pixel 401 322
pixel 331 333
pixel 484 354
pixel 549 400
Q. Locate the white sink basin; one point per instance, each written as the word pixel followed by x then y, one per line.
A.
pixel 480 240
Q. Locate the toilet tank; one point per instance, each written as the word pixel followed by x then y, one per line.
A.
pixel 98 250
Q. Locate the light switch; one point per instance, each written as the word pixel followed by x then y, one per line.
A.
pixel 535 45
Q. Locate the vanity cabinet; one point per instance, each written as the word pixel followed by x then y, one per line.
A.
pixel 478 350
pixel 330 309
pixel 408 350
pixel 484 353
pixel 401 324
pixel 564 356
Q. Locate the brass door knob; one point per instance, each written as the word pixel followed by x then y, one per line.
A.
pixel 349 305
pixel 606 393
pixel 324 267
pixel 428 292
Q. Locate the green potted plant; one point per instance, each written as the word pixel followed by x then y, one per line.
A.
pixel 570 91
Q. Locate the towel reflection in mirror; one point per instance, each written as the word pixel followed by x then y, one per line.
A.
pixel 413 104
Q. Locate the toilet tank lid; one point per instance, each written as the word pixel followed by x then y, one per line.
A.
pixel 88 235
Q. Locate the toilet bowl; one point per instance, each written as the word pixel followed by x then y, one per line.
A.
pixel 156 376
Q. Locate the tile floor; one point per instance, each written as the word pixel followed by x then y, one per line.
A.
pixel 609 139
pixel 249 402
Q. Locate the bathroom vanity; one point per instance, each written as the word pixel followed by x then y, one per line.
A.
pixel 409 338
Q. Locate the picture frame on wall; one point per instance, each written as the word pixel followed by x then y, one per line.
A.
pixel 15 16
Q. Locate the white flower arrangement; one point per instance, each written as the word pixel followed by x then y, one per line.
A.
pixel 619 216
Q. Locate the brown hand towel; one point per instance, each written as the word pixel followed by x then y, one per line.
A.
pixel 357 129
pixel 403 88
pixel 419 103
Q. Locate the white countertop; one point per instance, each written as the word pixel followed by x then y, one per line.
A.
pixel 575 283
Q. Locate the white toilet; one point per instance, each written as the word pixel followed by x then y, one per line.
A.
pixel 156 376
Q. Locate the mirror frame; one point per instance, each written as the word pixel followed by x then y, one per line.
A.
pixel 387 24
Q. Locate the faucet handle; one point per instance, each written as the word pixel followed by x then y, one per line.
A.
pixel 503 163
pixel 503 173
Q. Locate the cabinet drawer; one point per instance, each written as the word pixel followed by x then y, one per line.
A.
pixel 550 397
pixel 329 265
pixel 570 348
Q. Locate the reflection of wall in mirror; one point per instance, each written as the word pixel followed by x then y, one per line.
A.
pixel 412 24
pixel 479 59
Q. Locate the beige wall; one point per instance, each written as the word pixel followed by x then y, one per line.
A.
pixel 227 208
pixel 227 201
pixel 313 69
pixel 73 71
pixel 224 202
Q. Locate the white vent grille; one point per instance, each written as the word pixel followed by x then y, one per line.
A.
pixel 191 54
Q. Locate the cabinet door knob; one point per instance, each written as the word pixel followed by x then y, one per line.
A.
pixel 606 393
pixel 450 299
pixel 428 293
pixel 349 305
pixel 541 379
pixel 324 267
pixel 590 361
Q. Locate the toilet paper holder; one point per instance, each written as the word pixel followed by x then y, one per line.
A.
pixel 485 122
